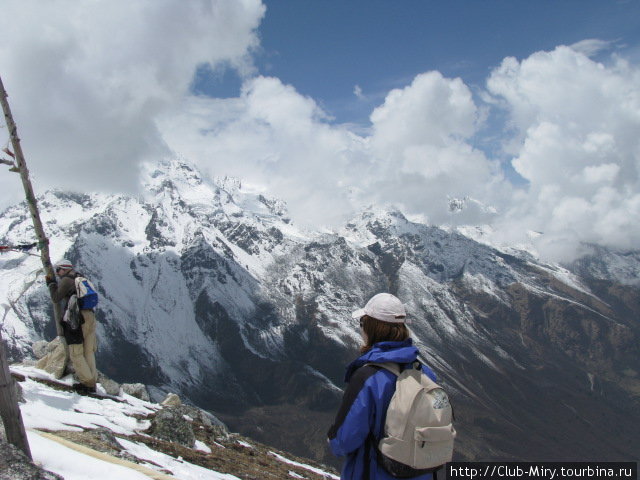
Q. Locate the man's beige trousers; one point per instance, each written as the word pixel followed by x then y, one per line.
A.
pixel 83 356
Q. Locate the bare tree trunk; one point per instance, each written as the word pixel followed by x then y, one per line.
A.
pixel 26 183
pixel 9 408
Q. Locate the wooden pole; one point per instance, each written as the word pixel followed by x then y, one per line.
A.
pixel 26 183
pixel 9 409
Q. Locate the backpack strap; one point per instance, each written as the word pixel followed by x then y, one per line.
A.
pixel 389 366
pixel 396 370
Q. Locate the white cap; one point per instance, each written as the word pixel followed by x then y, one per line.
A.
pixel 63 264
pixel 384 307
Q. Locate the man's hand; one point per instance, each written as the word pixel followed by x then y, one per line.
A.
pixel 49 279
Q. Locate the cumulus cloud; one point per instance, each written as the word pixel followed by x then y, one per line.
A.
pixel 87 80
pixel 576 121
pixel 274 137
pixel 416 156
pixel 422 135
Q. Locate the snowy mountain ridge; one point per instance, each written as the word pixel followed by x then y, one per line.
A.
pixel 209 283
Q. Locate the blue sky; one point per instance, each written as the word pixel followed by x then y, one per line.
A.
pixel 324 48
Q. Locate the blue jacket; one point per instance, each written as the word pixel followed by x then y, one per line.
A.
pixel 360 419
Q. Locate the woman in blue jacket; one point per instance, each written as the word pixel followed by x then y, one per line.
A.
pixel 359 423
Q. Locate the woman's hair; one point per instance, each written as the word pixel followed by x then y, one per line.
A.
pixel 379 331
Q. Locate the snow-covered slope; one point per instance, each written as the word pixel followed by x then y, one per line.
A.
pixel 61 425
pixel 207 284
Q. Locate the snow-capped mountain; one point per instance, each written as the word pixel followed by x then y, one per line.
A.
pixel 209 284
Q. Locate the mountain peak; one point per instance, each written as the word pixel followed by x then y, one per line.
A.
pixel 229 184
pixel 369 224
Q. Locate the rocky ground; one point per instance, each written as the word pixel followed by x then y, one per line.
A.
pixel 180 431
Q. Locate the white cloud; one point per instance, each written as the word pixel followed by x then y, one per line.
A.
pixel 432 110
pixel 577 122
pixel 591 46
pixel 87 79
pixel 422 136
pixel 272 136
pixel 415 158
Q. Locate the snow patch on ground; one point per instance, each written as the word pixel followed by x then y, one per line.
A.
pixel 180 468
pixel 73 465
pixel 302 465
pixel 51 409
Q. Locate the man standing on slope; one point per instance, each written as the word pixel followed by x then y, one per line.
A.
pixel 82 342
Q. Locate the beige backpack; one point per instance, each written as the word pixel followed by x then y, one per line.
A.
pixel 418 431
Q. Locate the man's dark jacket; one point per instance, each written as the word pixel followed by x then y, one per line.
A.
pixel 61 292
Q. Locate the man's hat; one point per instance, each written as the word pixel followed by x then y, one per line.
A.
pixel 63 264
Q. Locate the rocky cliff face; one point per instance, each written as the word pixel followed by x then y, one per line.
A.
pixel 210 290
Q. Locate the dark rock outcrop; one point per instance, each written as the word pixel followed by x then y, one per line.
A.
pixel 14 465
